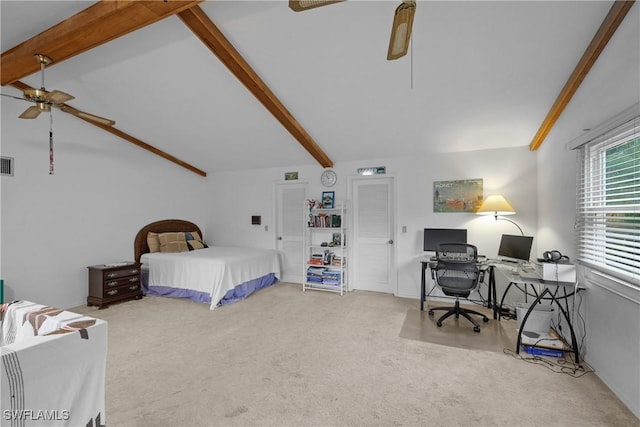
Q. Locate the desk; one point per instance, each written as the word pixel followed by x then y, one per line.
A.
pixel 488 266
pixel 515 279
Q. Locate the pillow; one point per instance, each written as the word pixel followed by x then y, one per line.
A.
pixel 196 244
pixel 192 235
pixel 194 241
pixel 153 242
pixel 173 242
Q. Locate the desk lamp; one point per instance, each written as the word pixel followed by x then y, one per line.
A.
pixel 496 205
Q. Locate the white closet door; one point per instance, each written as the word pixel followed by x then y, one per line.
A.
pixel 289 222
pixel 374 226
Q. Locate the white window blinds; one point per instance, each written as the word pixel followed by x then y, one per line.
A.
pixel 608 202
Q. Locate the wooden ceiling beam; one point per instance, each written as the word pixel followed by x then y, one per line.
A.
pixel 212 37
pixel 117 132
pixel 608 27
pixel 23 86
pixel 95 25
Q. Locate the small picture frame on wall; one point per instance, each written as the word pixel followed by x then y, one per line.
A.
pixel 328 199
pixel 290 176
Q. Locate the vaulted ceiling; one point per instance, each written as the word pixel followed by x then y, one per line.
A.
pixel 479 75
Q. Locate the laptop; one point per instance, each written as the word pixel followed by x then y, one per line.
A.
pixel 515 249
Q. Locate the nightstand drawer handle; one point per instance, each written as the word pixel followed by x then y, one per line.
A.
pixel 112 274
pixel 133 288
pixel 133 271
pixel 113 292
pixel 134 279
pixel 114 283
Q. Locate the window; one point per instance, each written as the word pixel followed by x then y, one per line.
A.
pixel 608 202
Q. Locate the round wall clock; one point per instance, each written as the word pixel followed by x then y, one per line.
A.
pixel 328 178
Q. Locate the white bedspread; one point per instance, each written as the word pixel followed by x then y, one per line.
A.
pixel 214 270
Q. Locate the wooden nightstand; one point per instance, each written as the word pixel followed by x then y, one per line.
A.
pixel 110 283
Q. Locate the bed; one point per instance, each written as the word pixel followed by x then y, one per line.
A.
pixel 215 275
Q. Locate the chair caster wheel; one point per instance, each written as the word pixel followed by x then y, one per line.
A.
pixel 430 312
pixel 485 320
pixel 439 323
pixel 476 329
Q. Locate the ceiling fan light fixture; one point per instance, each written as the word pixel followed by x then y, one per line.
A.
pixel 299 6
pixel 401 30
pixel 35 95
pixel 44 106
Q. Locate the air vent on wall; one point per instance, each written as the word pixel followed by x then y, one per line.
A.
pixel 6 166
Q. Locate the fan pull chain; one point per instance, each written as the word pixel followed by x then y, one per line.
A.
pixel 50 143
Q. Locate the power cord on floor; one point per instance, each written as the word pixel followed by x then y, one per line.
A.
pixel 559 365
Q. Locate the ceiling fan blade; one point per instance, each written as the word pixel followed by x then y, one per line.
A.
pixel 299 6
pixel 58 97
pixel 30 113
pixel 13 96
pixel 401 30
pixel 86 116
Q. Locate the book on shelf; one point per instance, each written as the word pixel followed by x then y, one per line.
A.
pixel 322 220
pixel 339 261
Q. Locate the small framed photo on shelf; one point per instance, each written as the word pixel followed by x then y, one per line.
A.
pixel 327 199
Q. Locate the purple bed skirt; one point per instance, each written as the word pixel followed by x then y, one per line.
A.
pixel 238 293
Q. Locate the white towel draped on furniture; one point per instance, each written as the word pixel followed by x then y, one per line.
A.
pixel 53 367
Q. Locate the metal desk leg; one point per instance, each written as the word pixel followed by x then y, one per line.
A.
pixel 423 286
pixel 574 342
pixel 492 292
pixel 504 295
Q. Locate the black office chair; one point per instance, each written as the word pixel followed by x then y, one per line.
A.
pixel 457 274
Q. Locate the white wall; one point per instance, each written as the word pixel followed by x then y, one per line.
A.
pixel 103 191
pixel 511 172
pixel 612 326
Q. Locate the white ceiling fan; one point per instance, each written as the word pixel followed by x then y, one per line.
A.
pixel 400 30
pixel 44 99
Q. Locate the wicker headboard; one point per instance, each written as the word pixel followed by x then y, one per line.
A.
pixel 140 245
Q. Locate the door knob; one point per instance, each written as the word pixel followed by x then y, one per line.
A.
pixel 390 241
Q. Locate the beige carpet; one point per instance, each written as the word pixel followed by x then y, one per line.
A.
pixel 493 336
pixel 284 357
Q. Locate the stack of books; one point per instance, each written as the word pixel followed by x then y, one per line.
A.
pixel 331 277
pixel 323 275
pixel 339 261
pixel 315 274
pixel 316 259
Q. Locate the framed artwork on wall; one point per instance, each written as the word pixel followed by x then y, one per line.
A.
pixel 328 199
pixel 463 195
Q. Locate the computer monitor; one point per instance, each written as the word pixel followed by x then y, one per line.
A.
pixel 434 236
pixel 515 248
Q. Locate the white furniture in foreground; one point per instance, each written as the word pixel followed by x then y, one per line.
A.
pixel 53 367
